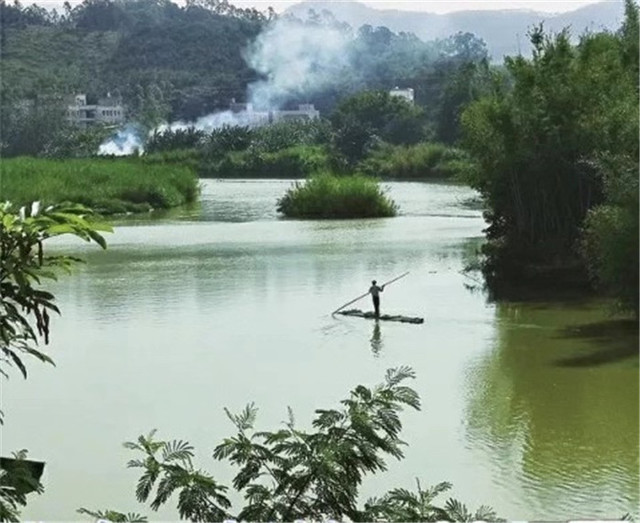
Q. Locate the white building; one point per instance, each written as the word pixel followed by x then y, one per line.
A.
pixel 407 94
pixel 245 114
pixel 109 111
pixel 303 112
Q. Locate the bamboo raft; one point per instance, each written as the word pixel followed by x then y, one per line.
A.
pixel 383 317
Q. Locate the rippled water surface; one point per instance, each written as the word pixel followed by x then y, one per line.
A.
pixel 530 408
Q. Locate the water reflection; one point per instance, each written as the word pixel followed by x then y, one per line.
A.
pixel 556 419
pixel 376 339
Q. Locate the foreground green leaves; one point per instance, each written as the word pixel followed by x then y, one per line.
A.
pixel 15 483
pixel 24 266
pixel 292 473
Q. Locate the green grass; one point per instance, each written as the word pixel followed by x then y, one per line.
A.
pixel 416 162
pixel 327 196
pixel 108 186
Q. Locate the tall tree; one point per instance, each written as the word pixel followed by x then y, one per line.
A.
pixel 534 144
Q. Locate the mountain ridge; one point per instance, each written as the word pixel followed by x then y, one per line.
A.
pixel 504 31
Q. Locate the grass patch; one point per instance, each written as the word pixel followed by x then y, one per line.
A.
pixel 109 185
pixel 416 162
pixel 327 196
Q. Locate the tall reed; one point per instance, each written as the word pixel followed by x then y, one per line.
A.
pixel 416 162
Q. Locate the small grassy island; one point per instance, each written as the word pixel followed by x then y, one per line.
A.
pixel 328 196
pixel 107 185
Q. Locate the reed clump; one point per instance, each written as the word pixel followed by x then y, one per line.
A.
pixel 416 162
pixel 327 196
pixel 293 162
pixel 107 185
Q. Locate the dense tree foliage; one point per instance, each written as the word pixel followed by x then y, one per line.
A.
pixel 189 57
pixel 293 473
pixel 365 118
pixel 536 144
pixel 610 235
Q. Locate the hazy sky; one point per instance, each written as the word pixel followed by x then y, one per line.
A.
pixel 434 6
pixel 440 6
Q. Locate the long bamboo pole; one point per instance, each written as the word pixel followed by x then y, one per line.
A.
pixel 367 293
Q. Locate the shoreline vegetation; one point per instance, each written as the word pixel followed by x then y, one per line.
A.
pixel 109 186
pixel 327 196
pixel 425 161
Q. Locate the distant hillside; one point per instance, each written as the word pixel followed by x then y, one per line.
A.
pixel 503 30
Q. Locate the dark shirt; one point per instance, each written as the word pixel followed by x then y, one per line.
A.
pixel 375 290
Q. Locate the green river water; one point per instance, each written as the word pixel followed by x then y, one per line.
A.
pixel 531 408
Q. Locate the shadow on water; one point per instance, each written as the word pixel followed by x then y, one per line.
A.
pixel 615 340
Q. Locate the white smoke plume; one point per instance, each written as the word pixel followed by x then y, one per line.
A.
pixel 210 122
pixel 126 141
pixel 295 59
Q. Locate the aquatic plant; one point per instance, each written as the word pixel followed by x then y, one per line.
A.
pixel 328 196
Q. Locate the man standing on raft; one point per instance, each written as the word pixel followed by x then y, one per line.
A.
pixel 375 291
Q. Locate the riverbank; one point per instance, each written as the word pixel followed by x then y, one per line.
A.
pixel 107 185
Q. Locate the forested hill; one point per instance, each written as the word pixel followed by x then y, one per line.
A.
pixel 189 60
pixel 192 55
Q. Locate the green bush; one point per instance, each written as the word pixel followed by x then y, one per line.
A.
pixel 328 196
pixel 420 161
pixel 293 162
pixel 107 185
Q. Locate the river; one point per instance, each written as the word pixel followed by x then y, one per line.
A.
pixel 531 408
